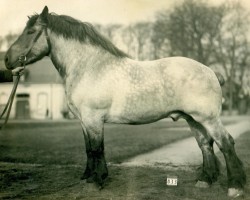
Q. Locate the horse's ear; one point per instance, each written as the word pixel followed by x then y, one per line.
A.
pixel 43 17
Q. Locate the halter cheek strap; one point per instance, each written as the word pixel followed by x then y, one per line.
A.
pixel 48 41
pixel 36 38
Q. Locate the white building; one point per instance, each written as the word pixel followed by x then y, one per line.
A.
pixel 39 95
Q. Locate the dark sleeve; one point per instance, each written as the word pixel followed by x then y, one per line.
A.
pixel 6 76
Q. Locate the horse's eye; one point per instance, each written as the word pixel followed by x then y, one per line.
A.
pixel 31 31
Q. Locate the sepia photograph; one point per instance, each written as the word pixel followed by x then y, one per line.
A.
pixel 124 99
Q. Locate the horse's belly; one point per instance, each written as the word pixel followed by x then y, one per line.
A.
pixel 136 115
pixel 141 107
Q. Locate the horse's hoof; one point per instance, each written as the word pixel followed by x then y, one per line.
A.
pixel 100 187
pixel 84 176
pixel 234 192
pixel 202 184
pixel 99 184
pixel 90 180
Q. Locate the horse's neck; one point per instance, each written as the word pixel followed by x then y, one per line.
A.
pixel 72 57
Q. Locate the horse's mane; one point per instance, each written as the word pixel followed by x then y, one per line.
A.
pixel 71 28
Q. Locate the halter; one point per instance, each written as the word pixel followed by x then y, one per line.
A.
pixel 44 27
pixel 21 59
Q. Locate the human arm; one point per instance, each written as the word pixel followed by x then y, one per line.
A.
pixel 7 75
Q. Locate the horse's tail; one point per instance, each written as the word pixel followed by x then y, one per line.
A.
pixel 220 78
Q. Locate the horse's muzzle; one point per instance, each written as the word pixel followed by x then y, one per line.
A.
pixel 20 61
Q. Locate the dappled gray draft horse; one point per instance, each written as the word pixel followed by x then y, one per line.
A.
pixel 103 85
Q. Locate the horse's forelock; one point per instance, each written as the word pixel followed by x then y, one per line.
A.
pixel 32 20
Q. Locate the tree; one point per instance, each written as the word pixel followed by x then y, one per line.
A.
pixel 190 30
pixel 213 35
pixel 129 40
pixel 159 39
pixel 232 49
pixel 141 32
pixel 133 39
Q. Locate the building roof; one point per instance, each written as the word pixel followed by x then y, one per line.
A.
pixel 42 71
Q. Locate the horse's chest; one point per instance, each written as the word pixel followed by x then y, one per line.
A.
pixel 88 96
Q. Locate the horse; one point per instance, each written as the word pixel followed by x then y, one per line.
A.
pixel 104 85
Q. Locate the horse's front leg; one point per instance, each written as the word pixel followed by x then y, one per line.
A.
pixel 96 168
pixel 90 161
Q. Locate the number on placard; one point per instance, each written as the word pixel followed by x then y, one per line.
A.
pixel 172 181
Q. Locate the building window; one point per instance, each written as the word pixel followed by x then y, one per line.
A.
pixel 22 106
pixel 42 104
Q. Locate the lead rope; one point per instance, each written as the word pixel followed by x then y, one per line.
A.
pixel 8 106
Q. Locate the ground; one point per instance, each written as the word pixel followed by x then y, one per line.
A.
pixel 45 161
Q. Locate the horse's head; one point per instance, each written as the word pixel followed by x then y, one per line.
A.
pixel 32 45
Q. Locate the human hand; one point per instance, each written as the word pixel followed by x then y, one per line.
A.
pixel 18 71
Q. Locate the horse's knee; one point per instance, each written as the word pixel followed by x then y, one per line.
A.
pixel 94 132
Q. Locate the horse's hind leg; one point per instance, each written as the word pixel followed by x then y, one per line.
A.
pixel 235 172
pixel 210 168
pixel 96 168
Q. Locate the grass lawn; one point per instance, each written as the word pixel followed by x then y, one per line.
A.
pixel 46 162
pixel 63 143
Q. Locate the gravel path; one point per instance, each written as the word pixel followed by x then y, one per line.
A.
pixel 184 152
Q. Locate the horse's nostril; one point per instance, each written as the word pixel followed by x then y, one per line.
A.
pixel 6 60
